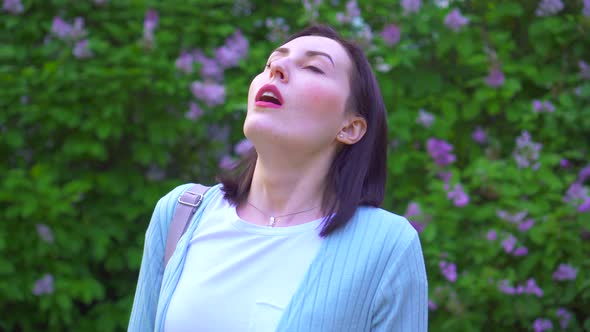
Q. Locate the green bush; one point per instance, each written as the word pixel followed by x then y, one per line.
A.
pixel 489 119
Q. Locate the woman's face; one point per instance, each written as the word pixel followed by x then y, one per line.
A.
pixel 299 100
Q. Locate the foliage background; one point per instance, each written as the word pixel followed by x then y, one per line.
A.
pixel 96 124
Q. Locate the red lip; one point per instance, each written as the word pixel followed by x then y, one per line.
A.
pixel 269 88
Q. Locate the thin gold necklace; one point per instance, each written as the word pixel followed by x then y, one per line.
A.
pixel 272 220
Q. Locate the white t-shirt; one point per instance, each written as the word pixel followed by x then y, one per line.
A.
pixel 239 276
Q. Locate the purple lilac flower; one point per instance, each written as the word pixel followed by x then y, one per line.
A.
pixel 43 285
pixel 312 8
pixel 432 305
pixel 155 173
pixel 542 324
pixel 520 251
pixel 234 49
pixel 526 153
pixel 209 67
pixel 576 194
pixel 449 270
pixel 458 196
pixel 440 151
pixel 211 93
pixel 226 162
pixel 584 67
pixel 532 288
pixel 194 112
pixel 479 135
pixel 549 7
pixel 526 225
pixel 565 316
pixel 586 9
pixel 243 147
pixel 455 20
pixel 100 2
pixel 411 6
pixel 543 106
pixel 184 63
pixel 565 272
pixel 278 29
pixel 516 218
pixel 446 177
pixel 585 206
pixel 13 6
pixel 495 78
pixel 391 34
pixel 492 235
pixel 425 119
pixel 45 233
pixel 150 23
pixel 412 211
pixel 564 163
pixel 504 287
pixel 61 28
pixel 81 50
pixel 584 174
pixel 509 243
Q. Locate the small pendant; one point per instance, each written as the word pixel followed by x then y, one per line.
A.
pixel 271 222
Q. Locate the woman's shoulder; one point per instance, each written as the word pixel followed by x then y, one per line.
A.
pixel 382 228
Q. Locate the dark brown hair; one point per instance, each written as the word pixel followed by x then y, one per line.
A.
pixel 358 172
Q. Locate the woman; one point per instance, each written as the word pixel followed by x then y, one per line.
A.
pixel 294 240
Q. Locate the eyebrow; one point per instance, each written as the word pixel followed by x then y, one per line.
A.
pixel 285 50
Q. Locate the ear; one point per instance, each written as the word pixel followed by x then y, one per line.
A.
pixel 353 130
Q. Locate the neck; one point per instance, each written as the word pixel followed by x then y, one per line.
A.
pixel 282 187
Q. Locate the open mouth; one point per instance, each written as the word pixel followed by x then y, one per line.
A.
pixel 269 96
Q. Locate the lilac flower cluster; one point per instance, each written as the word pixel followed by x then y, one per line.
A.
pixel 45 233
pixel 243 147
pixel 455 20
pixel 479 135
pixel 312 8
pixel 72 33
pixel 565 272
pixel 352 14
pixel 458 195
pixel 565 317
pixel 440 151
pixel 509 245
pixel 518 219
pixel 584 67
pixel 526 153
pixel 278 29
pixel 586 8
pixel 13 7
pixel 530 287
pixel 43 285
pixel 543 106
pixel 391 34
pixel 413 214
pixel 577 195
pixel 425 119
pixel 150 23
pixel 411 6
pixel 542 324
pixel 495 78
pixel 211 91
pixel 449 270
pixel 548 7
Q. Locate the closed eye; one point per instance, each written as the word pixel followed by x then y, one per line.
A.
pixel 314 69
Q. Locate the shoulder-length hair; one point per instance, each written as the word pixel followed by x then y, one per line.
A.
pixel 357 174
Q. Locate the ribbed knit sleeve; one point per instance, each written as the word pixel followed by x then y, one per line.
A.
pixel 401 302
pixel 147 293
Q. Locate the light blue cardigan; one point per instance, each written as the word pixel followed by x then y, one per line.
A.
pixel 367 276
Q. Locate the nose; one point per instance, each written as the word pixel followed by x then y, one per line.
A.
pixel 278 69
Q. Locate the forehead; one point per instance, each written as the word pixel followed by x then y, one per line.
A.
pixel 326 45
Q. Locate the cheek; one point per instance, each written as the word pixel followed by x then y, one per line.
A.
pixel 325 99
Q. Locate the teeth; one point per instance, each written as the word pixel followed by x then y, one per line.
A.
pixel 269 94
